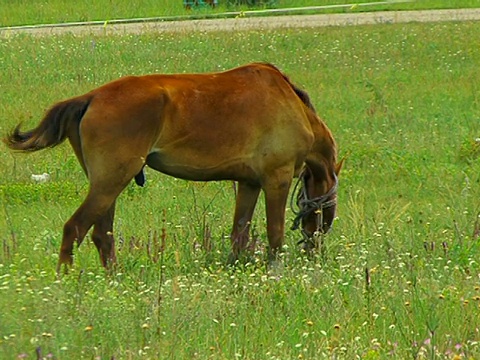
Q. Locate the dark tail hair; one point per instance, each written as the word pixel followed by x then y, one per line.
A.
pixel 52 130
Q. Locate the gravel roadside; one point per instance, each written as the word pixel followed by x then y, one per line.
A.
pixel 266 23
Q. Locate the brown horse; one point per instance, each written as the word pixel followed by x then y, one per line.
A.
pixel 249 124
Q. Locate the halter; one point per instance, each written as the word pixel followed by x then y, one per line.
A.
pixel 308 206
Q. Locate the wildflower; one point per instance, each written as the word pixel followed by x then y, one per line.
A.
pixel 88 328
pixel 310 323
pixel 375 343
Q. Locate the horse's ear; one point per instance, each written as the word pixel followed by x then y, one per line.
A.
pixel 338 166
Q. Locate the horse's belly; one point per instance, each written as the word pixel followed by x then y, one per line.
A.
pixel 201 168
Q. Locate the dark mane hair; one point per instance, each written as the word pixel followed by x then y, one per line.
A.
pixel 302 94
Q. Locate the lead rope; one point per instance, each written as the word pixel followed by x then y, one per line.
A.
pixel 306 206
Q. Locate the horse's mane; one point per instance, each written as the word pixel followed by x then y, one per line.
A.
pixel 302 94
pixel 329 151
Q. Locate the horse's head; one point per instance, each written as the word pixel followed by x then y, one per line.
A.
pixel 316 203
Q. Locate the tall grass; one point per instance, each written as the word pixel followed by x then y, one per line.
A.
pixel 14 13
pixel 399 275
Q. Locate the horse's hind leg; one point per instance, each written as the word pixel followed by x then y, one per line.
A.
pixel 76 228
pixel 98 209
pixel 245 205
pixel 102 237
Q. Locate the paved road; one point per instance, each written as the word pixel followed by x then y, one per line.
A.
pixel 271 22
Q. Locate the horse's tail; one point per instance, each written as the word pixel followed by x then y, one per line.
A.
pixel 53 129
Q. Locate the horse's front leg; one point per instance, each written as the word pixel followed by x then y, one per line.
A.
pixel 245 205
pixel 276 194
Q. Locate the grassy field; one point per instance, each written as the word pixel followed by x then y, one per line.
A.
pixel 399 277
pixel 59 11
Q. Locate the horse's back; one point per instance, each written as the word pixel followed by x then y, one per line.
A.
pixel 203 126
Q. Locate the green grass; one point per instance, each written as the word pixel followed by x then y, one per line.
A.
pixel 399 278
pixel 23 12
